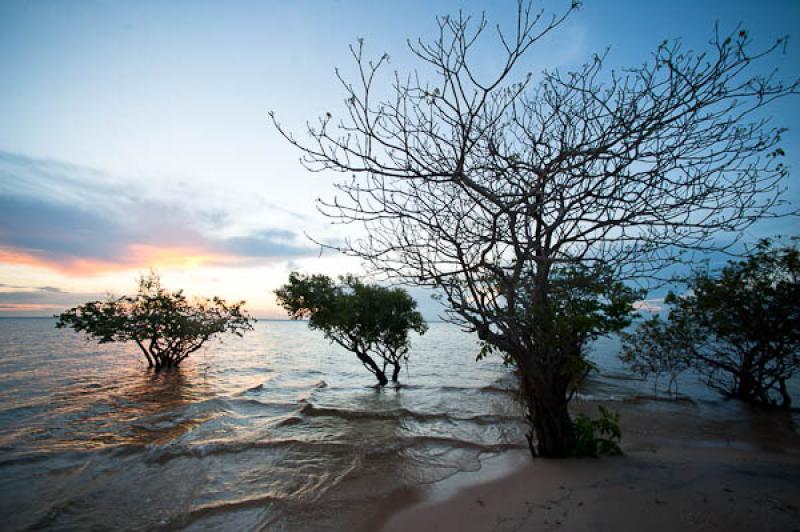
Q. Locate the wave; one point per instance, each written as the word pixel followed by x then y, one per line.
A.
pixel 169 452
pixel 208 510
pixel 260 387
pixel 498 389
pixel 634 398
pixel 467 444
pixel 239 402
pixel 164 453
pixel 490 388
pixel 680 398
pixel 312 410
pixel 29 458
pixel 68 455
pixel 289 421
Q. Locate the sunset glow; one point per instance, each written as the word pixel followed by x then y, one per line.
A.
pixel 135 256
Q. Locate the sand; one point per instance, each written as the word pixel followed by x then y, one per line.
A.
pixel 687 466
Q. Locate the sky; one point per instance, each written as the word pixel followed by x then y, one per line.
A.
pixel 135 135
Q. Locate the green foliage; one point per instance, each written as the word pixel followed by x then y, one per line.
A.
pixel 599 436
pixel 486 349
pixel 369 320
pixel 166 325
pixel 583 304
pixel 740 328
pixel 657 349
pixel 587 302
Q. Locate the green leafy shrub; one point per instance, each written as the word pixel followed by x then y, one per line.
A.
pixel 369 320
pixel 166 325
pixel 598 436
pixel 738 328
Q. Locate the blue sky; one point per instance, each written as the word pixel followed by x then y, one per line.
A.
pixel 135 134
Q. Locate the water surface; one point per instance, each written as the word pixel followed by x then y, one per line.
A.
pixel 277 430
pixel 271 430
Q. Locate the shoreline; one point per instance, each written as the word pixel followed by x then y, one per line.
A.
pixel 687 466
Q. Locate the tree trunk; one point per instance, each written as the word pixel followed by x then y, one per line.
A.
pixel 165 362
pixel 786 398
pixel 747 386
pixel 552 434
pixel 146 354
pixel 544 383
pixel 396 371
pixel 373 368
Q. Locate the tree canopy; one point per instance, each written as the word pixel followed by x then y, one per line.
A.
pixel 586 302
pixel 166 325
pixel 369 320
pixel 738 328
pixel 479 185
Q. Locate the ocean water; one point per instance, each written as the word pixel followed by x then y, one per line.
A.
pixel 278 430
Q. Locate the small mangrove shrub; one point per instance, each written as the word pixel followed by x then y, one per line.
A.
pixel 598 436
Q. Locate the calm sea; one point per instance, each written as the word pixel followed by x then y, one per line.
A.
pixel 277 430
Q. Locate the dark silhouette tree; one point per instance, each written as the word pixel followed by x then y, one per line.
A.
pixel 585 303
pixel 166 326
pixel 740 328
pixel 369 320
pixel 478 186
pixel 654 350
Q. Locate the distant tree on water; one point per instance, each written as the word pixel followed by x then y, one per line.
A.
pixel 482 183
pixel 738 328
pixel 166 326
pixel 368 320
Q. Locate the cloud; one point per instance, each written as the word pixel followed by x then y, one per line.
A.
pixel 654 306
pixel 270 243
pixel 26 300
pixel 59 229
pixel 81 221
pixel 51 289
pixel 42 296
pixel 43 288
pixel 21 309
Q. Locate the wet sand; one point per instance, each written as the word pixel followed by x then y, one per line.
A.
pixel 687 466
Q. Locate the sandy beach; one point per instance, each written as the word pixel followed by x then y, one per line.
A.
pixel 687 466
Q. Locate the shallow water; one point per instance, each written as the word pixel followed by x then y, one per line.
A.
pixel 273 429
pixel 278 430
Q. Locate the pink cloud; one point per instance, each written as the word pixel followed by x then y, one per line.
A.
pixel 135 256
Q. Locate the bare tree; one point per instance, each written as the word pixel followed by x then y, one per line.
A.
pixel 482 187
